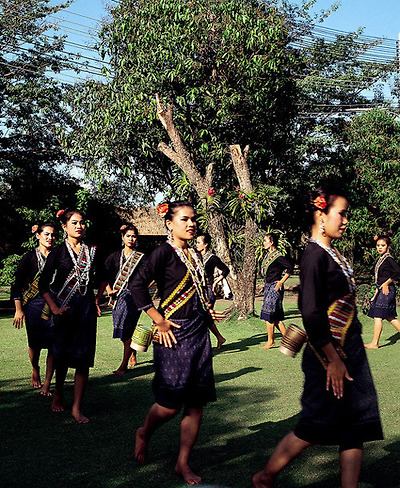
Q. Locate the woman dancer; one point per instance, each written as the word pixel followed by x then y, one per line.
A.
pixel 29 305
pixel 210 263
pixel 182 358
pixel 339 403
pixel 120 268
pixel 383 305
pixel 272 268
pixel 65 284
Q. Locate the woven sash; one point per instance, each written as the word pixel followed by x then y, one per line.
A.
pixel 179 296
pixel 378 265
pixel 268 260
pixel 32 291
pixel 125 273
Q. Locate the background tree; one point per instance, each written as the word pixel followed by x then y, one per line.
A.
pixel 374 150
pixel 32 163
pixel 222 68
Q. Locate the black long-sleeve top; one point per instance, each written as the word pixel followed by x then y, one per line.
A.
pixel 56 270
pixel 276 268
pixel 167 270
pixel 388 269
pixel 212 263
pixel 321 283
pixel 26 272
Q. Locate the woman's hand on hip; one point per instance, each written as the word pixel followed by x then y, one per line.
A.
pixel 165 332
pixel 335 375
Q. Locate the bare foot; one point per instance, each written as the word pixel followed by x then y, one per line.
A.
pixel 188 475
pixel 262 481
pixel 35 381
pixel 141 446
pixel 119 371
pixel 221 340
pixel 79 417
pixel 57 405
pixel 268 345
pixel 371 345
pixel 132 361
pixel 46 392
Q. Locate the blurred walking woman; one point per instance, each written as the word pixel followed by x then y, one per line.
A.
pixel 29 304
pixel 383 305
pixel 66 286
pixel 276 269
pixel 120 268
pixel 339 402
pixel 182 359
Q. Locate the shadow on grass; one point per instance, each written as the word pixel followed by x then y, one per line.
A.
pixel 392 340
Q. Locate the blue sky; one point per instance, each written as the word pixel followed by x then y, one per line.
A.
pixel 379 17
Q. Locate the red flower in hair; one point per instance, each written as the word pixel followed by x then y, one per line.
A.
pixel 320 203
pixel 162 209
pixel 375 238
pixel 34 229
pixel 60 213
pixel 123 227
pixel 211 192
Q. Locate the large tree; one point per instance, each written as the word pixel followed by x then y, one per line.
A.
pixel 31 109
pixel 222 70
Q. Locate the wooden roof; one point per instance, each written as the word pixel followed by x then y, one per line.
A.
pixel 146 220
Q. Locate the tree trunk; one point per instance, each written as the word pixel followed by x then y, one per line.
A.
pixel 242 283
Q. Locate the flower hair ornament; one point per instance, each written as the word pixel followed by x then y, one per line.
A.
pixel 162 209
pixel 123 227
pixel 34 228
pixel 375 238
pixel 320 203
pixel 60 213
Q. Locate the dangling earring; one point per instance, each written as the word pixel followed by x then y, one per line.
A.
pixel 65 234
pixel 169 235
pixel 322 227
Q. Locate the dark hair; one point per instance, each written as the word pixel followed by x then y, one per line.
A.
pixel 206 237
pixel 127 227
pixel 383 237
pixel 67 214
pixel 173 208
pixel 328 194
pixel 274 238
pixel 42 225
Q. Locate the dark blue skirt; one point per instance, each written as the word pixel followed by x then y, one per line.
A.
pixel 125 316
pixel 39 331
pixel 272 308
pixel 348 421
pixel 184 373
pixel 384 306
pixel 75 333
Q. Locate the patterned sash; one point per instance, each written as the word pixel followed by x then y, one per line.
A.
pixel 379 263
pixel 79 276
pixel 341 312
pixel 33 289
pixel 125 272
pixel 268 260
pixel 194 280
pixel 179 296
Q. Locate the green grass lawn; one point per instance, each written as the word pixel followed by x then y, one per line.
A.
pixel 258 400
